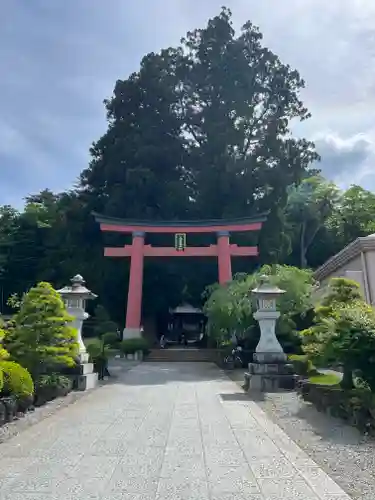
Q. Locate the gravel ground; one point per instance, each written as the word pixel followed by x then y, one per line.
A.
pixel 340 450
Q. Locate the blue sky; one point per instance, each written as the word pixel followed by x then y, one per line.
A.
pixel 59 59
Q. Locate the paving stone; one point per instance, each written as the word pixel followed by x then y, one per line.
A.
pixel 34 484
pixel 11 466
pixel 236 496
pixel 161 432
pixel 226 479
pixel 177 488
pixel 319 481
pixel 133 483
pixel 286 489
pixel 177 464
pixel 272 467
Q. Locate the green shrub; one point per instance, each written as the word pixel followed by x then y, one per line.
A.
pixel 303 365
pixel 54 380
pixel 97 349
pixel 110 339
pixel 42 338
pixel 17 380
pixel 300 364
pixel 99 353
pixel 130 346
pixel 49 387
pixel 357 406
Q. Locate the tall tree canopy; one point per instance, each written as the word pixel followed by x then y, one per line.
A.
pixel 201 130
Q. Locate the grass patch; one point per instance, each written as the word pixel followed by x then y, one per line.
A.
pixel 325 379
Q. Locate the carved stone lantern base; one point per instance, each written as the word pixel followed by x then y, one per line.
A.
pixel 270 373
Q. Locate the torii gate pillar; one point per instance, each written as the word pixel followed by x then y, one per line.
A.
pixel 134 305
pixel 224 257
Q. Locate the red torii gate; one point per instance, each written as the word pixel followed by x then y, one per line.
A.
pixel 223 250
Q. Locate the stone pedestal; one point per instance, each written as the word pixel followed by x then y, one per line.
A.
pixel 131 333
pixel 87 378
pixel 87 381
pixel 270 373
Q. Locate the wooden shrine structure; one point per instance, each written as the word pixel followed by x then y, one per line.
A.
pixel 223 250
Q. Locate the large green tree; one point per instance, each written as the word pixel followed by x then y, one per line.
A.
pixel 310 204
pixel 201 130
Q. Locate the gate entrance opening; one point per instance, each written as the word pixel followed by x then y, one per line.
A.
pixel 137 251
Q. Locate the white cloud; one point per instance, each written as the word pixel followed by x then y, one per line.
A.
pixel 347 160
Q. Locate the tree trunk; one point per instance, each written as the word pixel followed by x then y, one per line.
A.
pixel 347 382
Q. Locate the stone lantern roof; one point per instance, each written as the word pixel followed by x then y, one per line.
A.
pixel 77 289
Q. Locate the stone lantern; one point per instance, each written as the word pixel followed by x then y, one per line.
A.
pixel 268 348
pixel 270 369
pixel 75 297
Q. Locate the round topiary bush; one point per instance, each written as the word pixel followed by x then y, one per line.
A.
pixel 17 380
pixel 110 339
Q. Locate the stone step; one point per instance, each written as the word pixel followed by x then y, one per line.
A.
pixel 191 355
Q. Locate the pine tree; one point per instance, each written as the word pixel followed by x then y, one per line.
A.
pixel 42 339
pixel 103 322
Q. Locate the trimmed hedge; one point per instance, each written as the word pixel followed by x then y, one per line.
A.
pixel 131 346
pixel 356 407
pixel 110 339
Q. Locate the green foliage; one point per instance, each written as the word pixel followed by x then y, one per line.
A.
pixel 356 406
pixel 340 291
pixel 303 365
pixel 310 204
pixel 325 379
pixel 354 215
pixel 42 339
pixel 17 380
pixel 97 349
pixel 103 323
pixel 14 301
pixel 4 354
pixel 131 346
pixel 230 308
pixel 53 380
pixel 344 332
pixel 110 339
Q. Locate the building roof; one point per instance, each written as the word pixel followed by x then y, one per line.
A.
pixel 347 254
pixel 186 309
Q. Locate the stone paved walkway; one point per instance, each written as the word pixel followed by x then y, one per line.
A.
pixel 162 431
